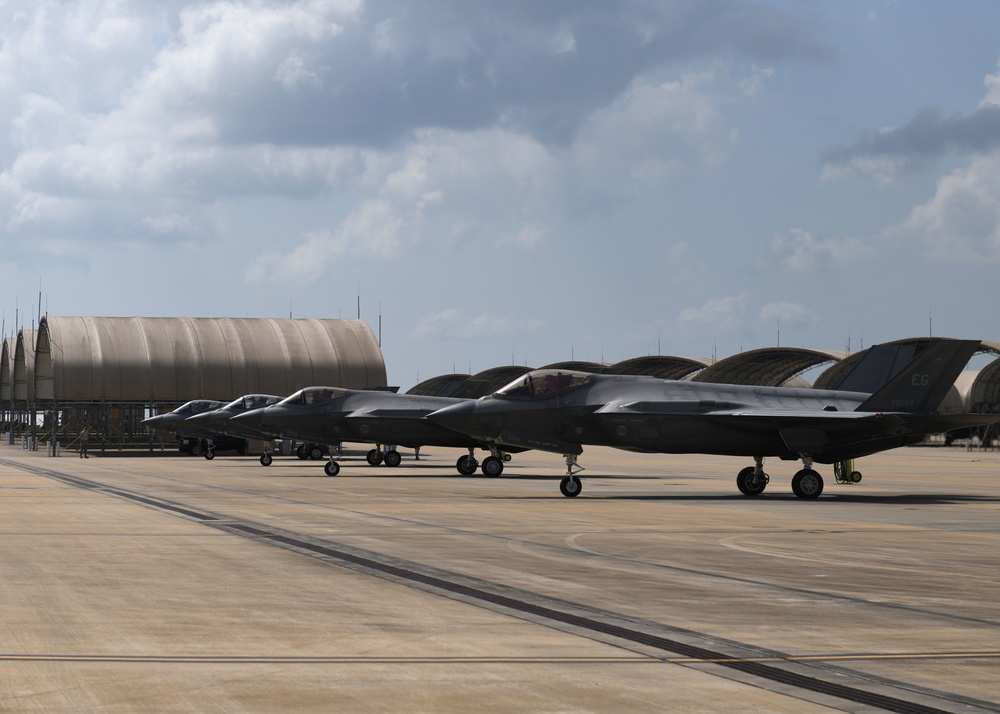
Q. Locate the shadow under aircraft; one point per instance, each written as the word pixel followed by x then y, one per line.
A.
pixel 333 415
pixel 890 399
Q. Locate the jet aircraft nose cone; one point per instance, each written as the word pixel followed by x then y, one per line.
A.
pixel 251 418
pixel 456 417
pixel 202 419
pixel 152 421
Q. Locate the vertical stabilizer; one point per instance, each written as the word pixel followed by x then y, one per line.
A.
pixel 922 384
pixel 877 366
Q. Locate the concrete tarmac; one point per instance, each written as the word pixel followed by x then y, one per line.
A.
pixel 176 584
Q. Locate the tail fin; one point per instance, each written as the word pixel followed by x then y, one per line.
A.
pixel 921 384
pixel 878 364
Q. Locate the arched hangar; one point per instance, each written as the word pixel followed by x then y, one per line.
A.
pixel 112 371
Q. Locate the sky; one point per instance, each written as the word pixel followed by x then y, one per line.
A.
pixel 518 182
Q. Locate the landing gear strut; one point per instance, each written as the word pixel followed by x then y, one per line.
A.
pixel 571 486
pixel 752 480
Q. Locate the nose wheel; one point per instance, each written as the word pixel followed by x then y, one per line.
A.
pixel 570 486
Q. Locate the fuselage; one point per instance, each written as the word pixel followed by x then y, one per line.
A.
pixel 664 416
pixel 331 415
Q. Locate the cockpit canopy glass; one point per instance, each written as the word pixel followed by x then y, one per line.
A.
pixel 196 406
pixel 256 401
pixel 544 383
pixel 314 395
pixel 251 401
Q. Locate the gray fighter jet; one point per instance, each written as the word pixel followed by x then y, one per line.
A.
pixel 561 411
pixel 175 423
pixel 332 415
pixel 218 421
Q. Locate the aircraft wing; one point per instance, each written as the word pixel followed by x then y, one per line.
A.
pixel 408 414
pixel 806 430
pixel 729 410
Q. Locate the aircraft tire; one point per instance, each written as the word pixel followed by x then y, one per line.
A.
pixel 209 455
pixel 855 477
pixel 466 465
pixel 807 484
pixel 492 466
pixel 748 484
pixel 392 458
pixel 332 468
pixel 374 457
pixel 265 459
pixel 570 487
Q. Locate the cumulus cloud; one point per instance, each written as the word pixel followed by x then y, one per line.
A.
pixel 656 132
pixel 928 135
pixel 724 313
pixel 455 324
pixel 800 251
pixel 931 133
pixel 788 314
pixel 411 121
pixel 961 222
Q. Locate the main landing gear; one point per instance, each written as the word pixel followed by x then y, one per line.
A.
pixel 390 457
pixel 492 465
pixel 806 483
pixel 571 486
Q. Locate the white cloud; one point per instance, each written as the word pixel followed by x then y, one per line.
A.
pixel 788 314
pixel 992 82
pixel 676 253
pixel 169 224
pixel 753 86
pixel 961 223
pixel 455 324
pixel 529 237
pixel 800 251
pixel 656 132
pixel 724 313
pixel 882 169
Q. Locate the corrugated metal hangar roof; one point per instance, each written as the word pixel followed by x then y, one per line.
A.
pixel 83 359
pixel 768 366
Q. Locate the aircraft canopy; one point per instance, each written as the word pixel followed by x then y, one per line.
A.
pixel 544 382
pixel 314 395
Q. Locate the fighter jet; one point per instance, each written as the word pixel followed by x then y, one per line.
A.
pixel 175 423
pixel 217 421
pixel 332 415
pixel 561 411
